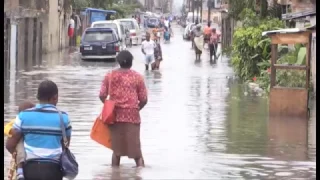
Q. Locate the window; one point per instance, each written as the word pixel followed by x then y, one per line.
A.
pixel 99 36
pixel 107 25
pixel 129 24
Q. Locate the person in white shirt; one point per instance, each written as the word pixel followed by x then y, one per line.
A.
pixel 147 49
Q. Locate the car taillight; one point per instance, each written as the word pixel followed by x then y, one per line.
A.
pixel 133 34
pixel 116 48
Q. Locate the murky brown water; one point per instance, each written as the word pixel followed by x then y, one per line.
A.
pixel 198 123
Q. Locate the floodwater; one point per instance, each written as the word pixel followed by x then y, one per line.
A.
pixel 198 123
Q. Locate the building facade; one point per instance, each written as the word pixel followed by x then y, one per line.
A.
pixel 41 28
pixel 303 14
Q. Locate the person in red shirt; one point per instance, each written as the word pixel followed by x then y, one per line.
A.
pixel 213 43
pixel 207 33
pixel 129 92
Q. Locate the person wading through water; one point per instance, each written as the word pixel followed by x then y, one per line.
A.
pixel 40 128
pixel 198 41
pixel 213 44
pixel 129 92
pixel 147 49
pixel 192 33
pixel 207 33
pixel 157 54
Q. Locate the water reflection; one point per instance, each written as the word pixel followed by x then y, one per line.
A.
pixel 288 139
pixel 120 174
pixel 246 123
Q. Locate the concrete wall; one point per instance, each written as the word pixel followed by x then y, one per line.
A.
pixel 307 5
pixel 57 36
pixel 215 16
pixel 41 29
pixel 314 61
pixel 302 5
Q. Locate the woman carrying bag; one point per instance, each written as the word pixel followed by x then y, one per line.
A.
pixel 126 88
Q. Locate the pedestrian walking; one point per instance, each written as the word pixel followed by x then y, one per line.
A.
pixel 213 44
pixel 207 33
pixel 40 128
pixel 71 27
pixel 192 33
pixel 198 41
pixel 127 89
pixel 157 54
pixel 147 49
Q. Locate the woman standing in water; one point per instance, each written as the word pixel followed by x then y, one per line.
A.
pixel 157 55
pixel 129 92
pixel 198 41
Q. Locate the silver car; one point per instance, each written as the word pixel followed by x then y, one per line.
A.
pixel 187 31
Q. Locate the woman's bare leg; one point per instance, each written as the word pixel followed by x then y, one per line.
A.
pixel 157 64
pixel 139 162
pixel 115 160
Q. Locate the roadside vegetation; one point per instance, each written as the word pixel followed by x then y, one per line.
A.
pixel 251 52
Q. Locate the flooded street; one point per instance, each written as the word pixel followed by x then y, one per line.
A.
pixel 198 123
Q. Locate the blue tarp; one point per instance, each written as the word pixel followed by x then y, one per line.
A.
pixel 97 14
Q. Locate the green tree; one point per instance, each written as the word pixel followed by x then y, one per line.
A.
pixel 248 47
pixel 263 8
pixel 236 7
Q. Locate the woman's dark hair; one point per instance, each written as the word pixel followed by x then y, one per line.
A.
pixel 124 59
pixel 47 89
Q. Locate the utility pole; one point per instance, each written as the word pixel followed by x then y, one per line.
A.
pixel 201 11
pixel 198 10
pixel 209 10
pixel 193 11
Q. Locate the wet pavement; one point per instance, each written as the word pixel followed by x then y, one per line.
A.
pixel 198 123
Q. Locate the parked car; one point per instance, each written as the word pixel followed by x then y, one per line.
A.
pixel 99 43
pixel 117 26
pixel 135 31
pixel 187 31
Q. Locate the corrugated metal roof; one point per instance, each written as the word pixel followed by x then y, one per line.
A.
pixel 100 10
pixel 288 30
pixel 297 15
pixel 283 31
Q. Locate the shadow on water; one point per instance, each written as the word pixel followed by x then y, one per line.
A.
pixel 198 124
